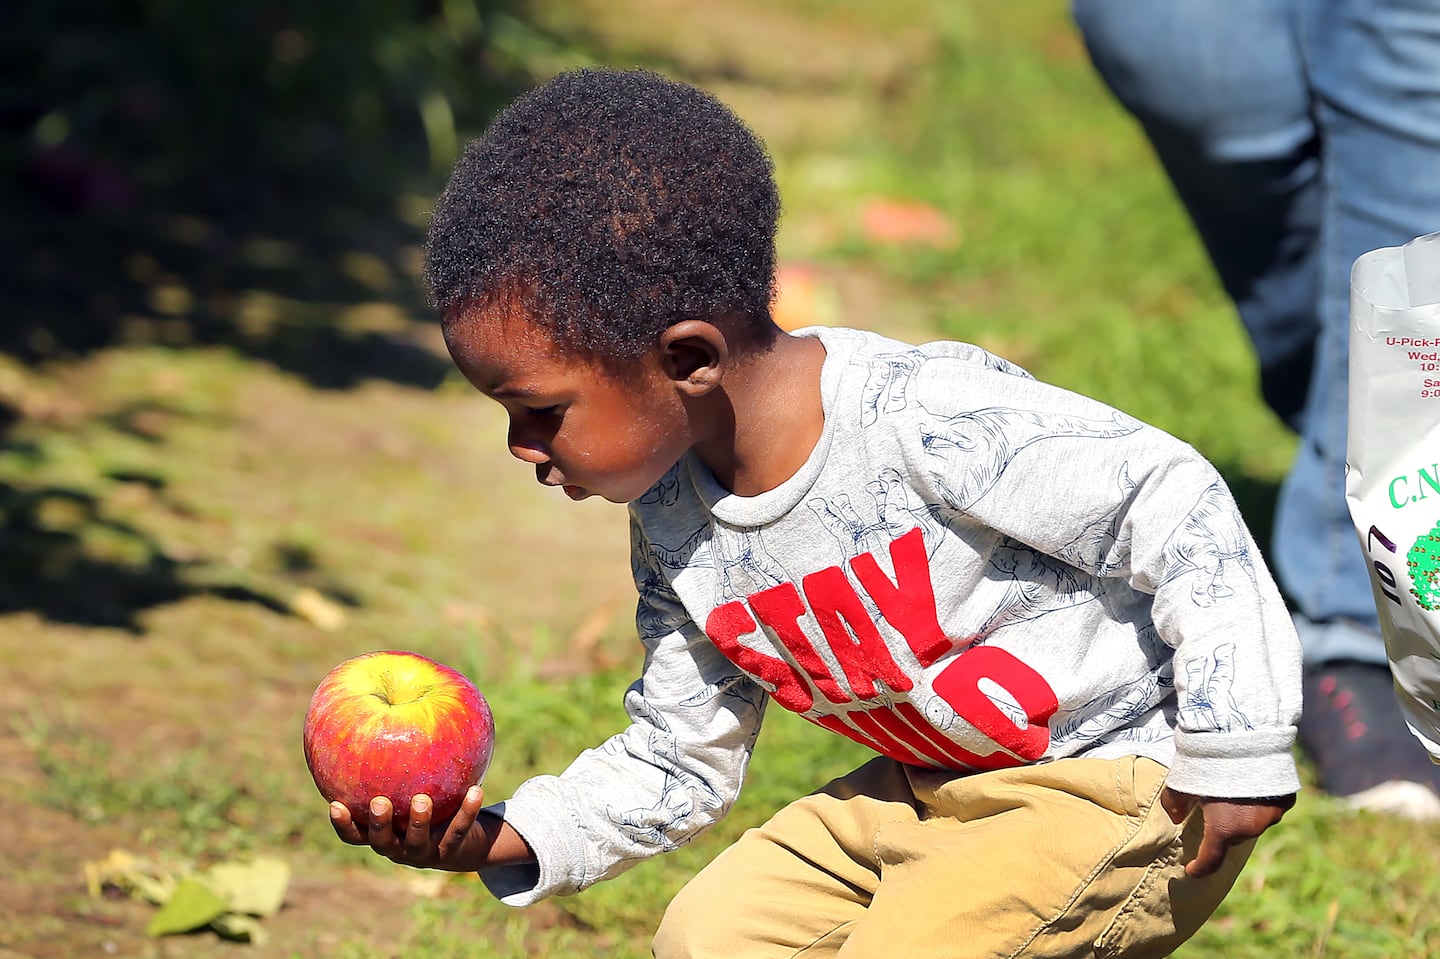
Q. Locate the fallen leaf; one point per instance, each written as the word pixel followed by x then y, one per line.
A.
pixel 194 905
pixel 230 898
pixel 131 875
pixel 311 605
pixel 238 927
pixel 256 888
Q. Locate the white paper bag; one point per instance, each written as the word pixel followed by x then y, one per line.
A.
pixel 1392 480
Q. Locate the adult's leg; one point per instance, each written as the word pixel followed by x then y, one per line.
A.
pixel 1265 115
pixel 1219 88
pixel 1375 75
pixel 1222 90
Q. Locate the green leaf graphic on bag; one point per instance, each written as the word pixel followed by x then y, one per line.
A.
pixel 1424 563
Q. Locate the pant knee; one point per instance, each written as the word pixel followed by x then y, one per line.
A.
pixel 686 924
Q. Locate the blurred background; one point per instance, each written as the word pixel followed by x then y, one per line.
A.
pixel 233 451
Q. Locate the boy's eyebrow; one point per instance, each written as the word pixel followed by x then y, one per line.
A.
pixel 511 392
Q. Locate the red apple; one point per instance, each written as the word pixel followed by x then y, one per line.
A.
pixel 393 723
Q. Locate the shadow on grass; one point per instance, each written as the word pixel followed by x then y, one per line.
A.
pixel 49 565
pixel 244 176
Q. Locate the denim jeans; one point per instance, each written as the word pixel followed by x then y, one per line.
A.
pixel 1299 134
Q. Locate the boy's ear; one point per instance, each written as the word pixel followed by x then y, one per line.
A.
pixel 694 354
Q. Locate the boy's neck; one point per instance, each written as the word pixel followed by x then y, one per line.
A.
pixel 768 418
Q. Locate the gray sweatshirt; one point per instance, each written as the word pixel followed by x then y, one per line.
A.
pixel 972 570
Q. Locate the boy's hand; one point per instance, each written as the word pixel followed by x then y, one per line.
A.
pixel 1228 822
pixel 462 845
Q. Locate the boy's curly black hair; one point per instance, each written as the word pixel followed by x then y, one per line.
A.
pixel 609 205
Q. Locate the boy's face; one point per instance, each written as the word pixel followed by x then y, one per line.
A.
pixel 582 428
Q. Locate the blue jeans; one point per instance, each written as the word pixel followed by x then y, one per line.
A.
pixel 1299 134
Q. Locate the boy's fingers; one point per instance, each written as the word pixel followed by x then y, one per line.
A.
pixel 381 834
pixel 1177 805
pixel 417 831
pixel 1207 858
pixel 344 825
pixel 462 823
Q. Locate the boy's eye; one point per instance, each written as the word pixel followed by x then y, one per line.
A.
pixel 545 410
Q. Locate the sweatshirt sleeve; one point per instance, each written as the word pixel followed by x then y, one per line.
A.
pixel 671 774
pixel 1104 493
pixel 1237 657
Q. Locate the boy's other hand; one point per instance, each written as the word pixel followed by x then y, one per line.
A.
pixel 1228 822
pixel 458 846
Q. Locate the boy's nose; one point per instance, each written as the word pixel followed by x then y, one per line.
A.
pixel 529 454
pixel 527 450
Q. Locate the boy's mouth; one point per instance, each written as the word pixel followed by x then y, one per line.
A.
pixel 549 476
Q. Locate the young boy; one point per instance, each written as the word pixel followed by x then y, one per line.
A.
pixel 1046 618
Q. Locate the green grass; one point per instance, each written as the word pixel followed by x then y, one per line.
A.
pixel 162 503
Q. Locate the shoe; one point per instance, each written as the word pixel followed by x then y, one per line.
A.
pixel 1352 728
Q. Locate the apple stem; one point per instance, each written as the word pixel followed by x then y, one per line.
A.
pixel 388 688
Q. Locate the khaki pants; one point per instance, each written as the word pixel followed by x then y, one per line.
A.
pixel 1070 858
